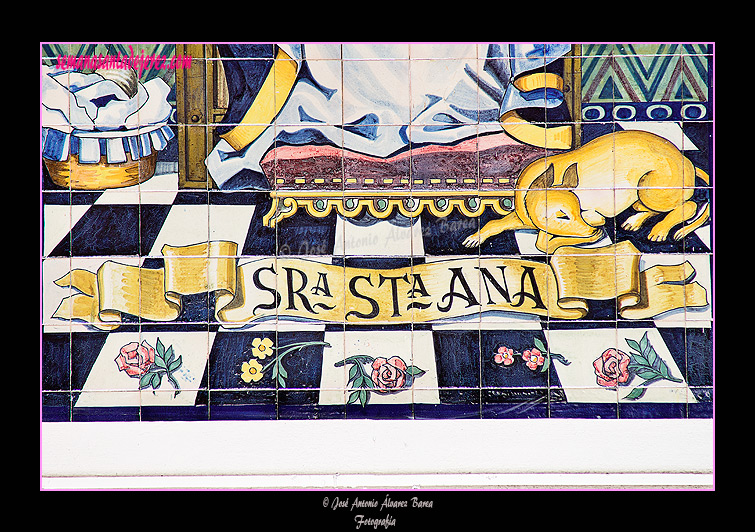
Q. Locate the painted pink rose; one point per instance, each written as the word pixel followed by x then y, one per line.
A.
pixel 533 357
pixel 135 359
pixel 611 367
pixel 504 355
pixel 388 374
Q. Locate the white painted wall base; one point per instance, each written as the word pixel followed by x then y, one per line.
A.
pixel 352 454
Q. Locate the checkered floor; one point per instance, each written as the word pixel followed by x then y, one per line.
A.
pixel 460 377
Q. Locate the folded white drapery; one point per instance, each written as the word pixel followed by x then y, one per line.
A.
pixel 370 105
pixel 88 115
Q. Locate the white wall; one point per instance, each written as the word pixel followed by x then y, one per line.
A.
pixel 387 454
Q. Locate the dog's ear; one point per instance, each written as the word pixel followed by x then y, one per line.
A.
pixel 571 178
pixel 544 180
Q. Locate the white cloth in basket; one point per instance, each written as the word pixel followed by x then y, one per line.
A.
pixel 91 116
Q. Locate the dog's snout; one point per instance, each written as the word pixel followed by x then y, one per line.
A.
pixel 593 217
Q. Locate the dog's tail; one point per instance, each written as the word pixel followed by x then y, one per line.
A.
pixel 702 215
pixel 701 174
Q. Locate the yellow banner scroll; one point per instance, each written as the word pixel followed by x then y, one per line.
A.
pixel 297 288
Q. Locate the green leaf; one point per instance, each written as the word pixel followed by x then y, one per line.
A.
pixel 169 354
pixel 281 381
pixel 639 359
pixel 634 345
pixel 144 380
pixel 666 372
pixel 159 361
pixel 358 382
pixel 156 381
pixel 540 345
pixel 358 359
pixel 644 344
pixel 648 374
pixel 633 366
pixel 663 368
pixel 644 385
pixel 175 364
pixel 353 372
pixel 636 394
pixel 282 371
pixel 160 348
pixel 353 398
pixel 652 357
pixel 364 395
pixel 414 371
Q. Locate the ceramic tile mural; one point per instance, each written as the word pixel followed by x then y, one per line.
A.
pixel 376 231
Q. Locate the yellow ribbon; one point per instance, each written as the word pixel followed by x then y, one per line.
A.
pixel 297 288
pixel 267 104
pixel 553 137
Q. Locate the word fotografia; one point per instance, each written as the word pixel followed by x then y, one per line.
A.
pixel 137 62
pixel 386 522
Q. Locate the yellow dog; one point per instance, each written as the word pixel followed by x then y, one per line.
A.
pixel 567 197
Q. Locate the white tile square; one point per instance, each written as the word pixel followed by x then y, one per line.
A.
pixel 185 225
pixel 413 347
pixel 230 223
pixel 123 390
pixel 578 379
pixel 58 221
pixel 382 238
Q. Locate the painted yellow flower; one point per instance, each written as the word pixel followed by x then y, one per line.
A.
pixel 251 371
pixel 262 347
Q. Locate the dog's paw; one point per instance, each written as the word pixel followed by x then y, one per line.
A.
pixel 658 234
pixel 681 233
pixel 631 224
pixel 472 240
pixel 634 222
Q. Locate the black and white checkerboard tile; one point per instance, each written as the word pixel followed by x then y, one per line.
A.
pixel 82 382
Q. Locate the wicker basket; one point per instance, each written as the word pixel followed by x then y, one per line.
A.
pixel 103 175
